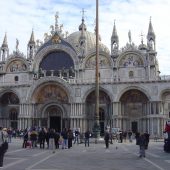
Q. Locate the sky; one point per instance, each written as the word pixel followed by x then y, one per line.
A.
pixel 19 17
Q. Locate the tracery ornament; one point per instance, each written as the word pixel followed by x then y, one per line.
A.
pixel 91 62
pixel 16 65
pixel 51 92
pixel 131 60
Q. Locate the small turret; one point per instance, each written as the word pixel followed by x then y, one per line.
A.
pixel 4 51
pixel 82 38
pixel 151 37
pixel 114 40
pixel 31 47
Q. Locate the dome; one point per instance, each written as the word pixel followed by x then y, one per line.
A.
pixel 142 46
pixel 90 39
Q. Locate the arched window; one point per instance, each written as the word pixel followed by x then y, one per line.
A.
pixel 16 78
pixel 131 74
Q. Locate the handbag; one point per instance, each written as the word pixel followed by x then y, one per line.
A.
pixel 5 146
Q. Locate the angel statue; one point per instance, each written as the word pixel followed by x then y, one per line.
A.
pixel 52 29
pixel 17 44
pixel 129 35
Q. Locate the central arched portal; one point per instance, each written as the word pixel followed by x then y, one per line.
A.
pixel 53 116
pixel 104 110
pixel 134 104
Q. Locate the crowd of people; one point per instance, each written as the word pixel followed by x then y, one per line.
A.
pixel 52 139
pixel 142 139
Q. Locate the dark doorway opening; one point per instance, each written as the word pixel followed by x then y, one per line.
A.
pixel 55 123
pixel 101 128
pixel 101 120
pixel 134 127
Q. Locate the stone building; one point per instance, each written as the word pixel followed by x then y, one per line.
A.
pixel 54 84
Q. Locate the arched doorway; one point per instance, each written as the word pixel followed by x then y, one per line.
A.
pixel 102 120
pixel 13 117
pixel 9 104
pixel 53 117
pixel 133 109
pixel 104 110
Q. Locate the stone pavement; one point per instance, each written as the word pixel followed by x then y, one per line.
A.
pixel 96 157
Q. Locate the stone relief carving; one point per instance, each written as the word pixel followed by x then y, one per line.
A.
pixel 16 66
pixel 130 60
pixel 91 62
pixel 51 92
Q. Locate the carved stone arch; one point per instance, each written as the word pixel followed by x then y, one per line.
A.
pixel 142 89
pixel 165 98
pixel 16 64
pixel 15 99
pixel 93 89
pixel 163 93
pixel 104 60
pixel 47 105
pixel 131 58
pixel 57 47
pixel 53 80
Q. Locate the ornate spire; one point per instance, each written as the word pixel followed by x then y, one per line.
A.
pixel 82 26
pixel 151 37
pixel 5 44
pixel 114 40
pixel 32 41
pixel 151 33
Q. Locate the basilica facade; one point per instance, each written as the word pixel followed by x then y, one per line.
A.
pixel 53 85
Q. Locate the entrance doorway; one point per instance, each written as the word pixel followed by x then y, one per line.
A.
pixel 55 123
pixel 134 127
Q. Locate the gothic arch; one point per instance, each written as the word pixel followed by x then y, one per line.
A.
pixel 48 80
pixel 9 91
pixel 16 64
pixel 104 58
pixel 46 106
pixel 142 89
pixel 131 58
pixel 93 89
pixel 162 93
pixel 58 47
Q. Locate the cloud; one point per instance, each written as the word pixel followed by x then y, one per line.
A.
pixel 18 17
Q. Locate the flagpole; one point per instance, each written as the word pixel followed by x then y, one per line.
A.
pixel 96 123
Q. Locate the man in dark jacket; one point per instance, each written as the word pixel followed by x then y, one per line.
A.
pixel 87 136
pixel 142 145
pixel 106 138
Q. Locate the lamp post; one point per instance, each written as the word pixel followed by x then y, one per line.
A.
pixel 96 128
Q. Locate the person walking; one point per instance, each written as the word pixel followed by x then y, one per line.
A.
pixel 41 138
pixel 33 137
pixel 87 137
pixel 25 139
pixel 65 138
pixel 147 136
pixel 76 136
pixel 142 145
pixel 56 139
pixel 106 138
pixel 52 140
pixel 70 138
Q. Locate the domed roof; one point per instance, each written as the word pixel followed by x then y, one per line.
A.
pixel 142 47
pixel 90 39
